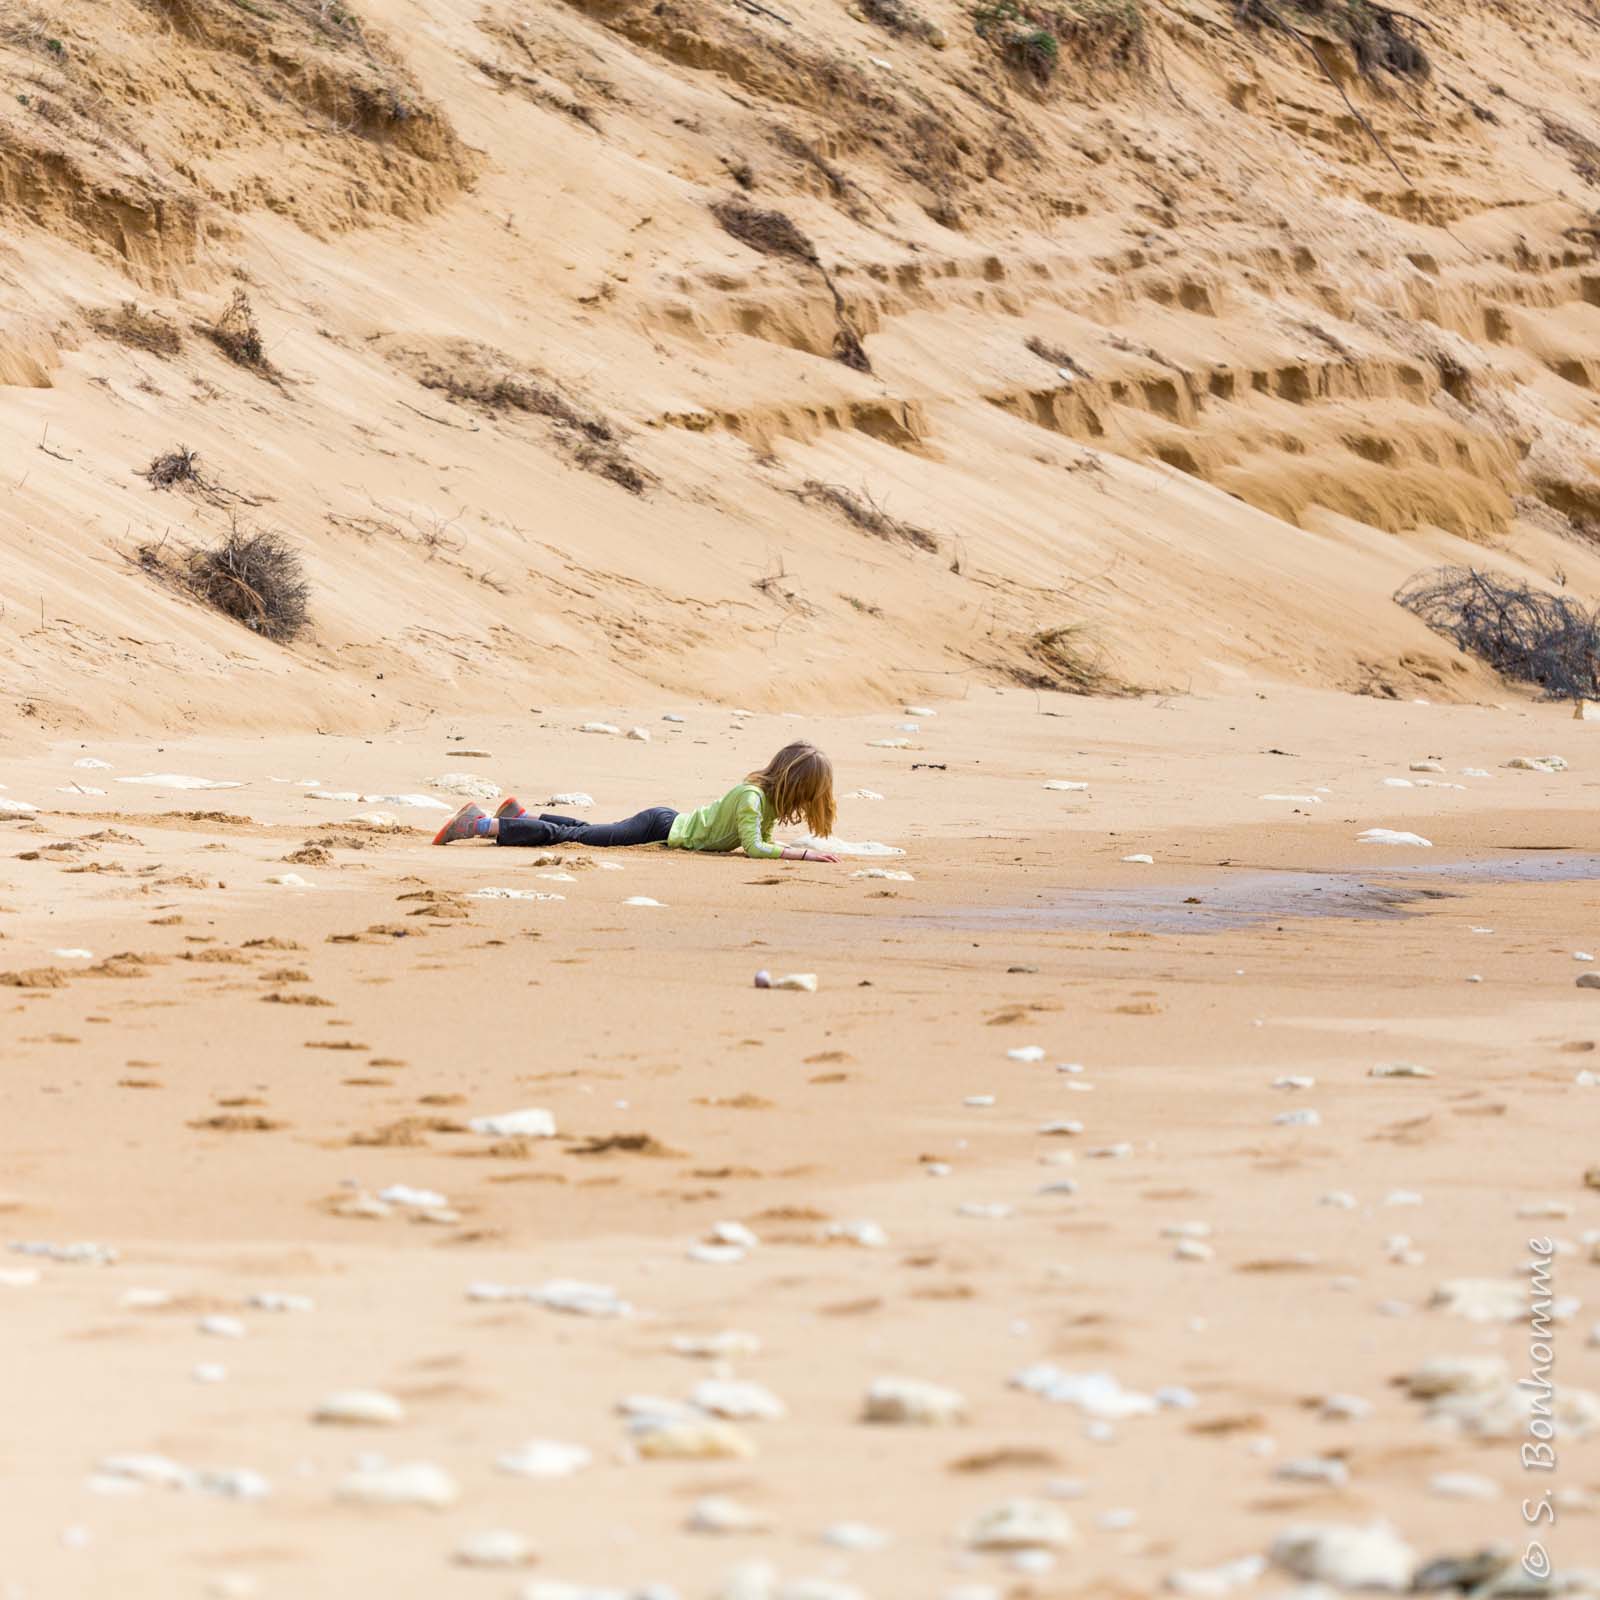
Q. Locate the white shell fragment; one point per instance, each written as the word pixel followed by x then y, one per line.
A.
pixel 716 1346
pixel 865 1233
pixel 361 1408
pixel 495 1547
pixel 738 1401
pixel 912 1400
pixel 414 1483
pixel 560 1294
pixel 544 1458
pixel 532 1123
pixel 1022 1525
pixel 1345 1555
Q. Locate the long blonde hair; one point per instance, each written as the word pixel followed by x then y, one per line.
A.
pixel 799 783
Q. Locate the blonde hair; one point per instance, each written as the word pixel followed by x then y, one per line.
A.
pixel 799 783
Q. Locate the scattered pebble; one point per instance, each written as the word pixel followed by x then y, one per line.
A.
pixel 1140 860
pixel 1313 1469
pixel 864 1233
pixel 1026 1052
pixel 1463 1486
pixel 1392 836
pixel 560 1294
pixel 855 1536
pixel 1022 1525
pixel 361 1408
pixel 1345 1555
pixel 221 1327
pixel 1306 1118
pixel 716 1346
pixel 1400 1069
pixel 641 900
pixel 495 1547
pixel 806 982
pixel 738 1401
pixel 532 1123
pixel 914 1401
pixel 415 1483
pixel 716 1513
pixel 544 1458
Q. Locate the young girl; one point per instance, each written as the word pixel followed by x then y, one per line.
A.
pixel 795 785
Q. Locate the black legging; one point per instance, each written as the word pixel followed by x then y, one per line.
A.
pixel 646 827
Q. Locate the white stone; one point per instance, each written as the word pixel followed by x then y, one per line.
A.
pixel 1192 1250
pixel 1026 1052
pixel 702 1439
pixel 600 727
pixel 468 785
pixel 1061 1127
pixel 1294 1081
pixel 1538 763
pixel 1305 1118
pixel 209 1372
pixel 1392 836
pixel 717 1255
pixel 544 1458
pixel 1455 1375
pixel 1483 1299
pixel 893 874
pixel 1344 1408
pixel 412 1483
pixel 1463 1486
pixel 1021 1525
pixel 1140 860
pixel 1066 784
pixel 1207 1582
pixel 272 1300
pixel 1313 1469
pixel 221 1327
pixel 639 735
pixel 913 1401
pixel 291 880
pixel 978 1100
pixel 718 1514
pixel 641 900
pixel 1399 1069
pixel 574 799
pixel 855 1536
pixel 360 1407
pixel 495 1547
pixel 738 1401
pixel 532 1123
pixel 157 1471
pixel 1096 1394
pixel 1346 1555
pixel 401 1194
pixel 869 1235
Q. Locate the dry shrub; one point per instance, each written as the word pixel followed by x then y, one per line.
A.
pixel 769 232
pixel 482 377
pixel 176 466
pixel 1032 37
pixel 1380 39
pixel 1527 634
pixel 139 330
pixel 237 335
pixel 899 17
pixel 254 577
pixel 1582 152
pixel 1064 659
pixel 866 513
pixel 1054 354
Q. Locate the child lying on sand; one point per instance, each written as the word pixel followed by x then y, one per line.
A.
pixel 796 785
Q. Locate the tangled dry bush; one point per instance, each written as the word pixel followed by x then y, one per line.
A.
pixel 1528 634
pixel 867 514
pixel 139 330
pixel 254 576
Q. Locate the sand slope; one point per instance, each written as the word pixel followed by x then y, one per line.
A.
pixel 1292 378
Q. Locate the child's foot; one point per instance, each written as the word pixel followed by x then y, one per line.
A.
pixel 510 807
pixel 463 825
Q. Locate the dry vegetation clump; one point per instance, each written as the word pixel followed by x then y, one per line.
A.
pixel 1582 152
pixel 482 377
pixel 1054 354
pixel 1527 634
pixel 1064 659
pixel 865 512
pixel 255 577
pixel 237 334
pixel 139 330
pixel 1102 33
pixel 1381 39
pixel 175 466
pixel 772 233
pixel 899 16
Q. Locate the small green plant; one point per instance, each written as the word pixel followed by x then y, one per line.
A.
pixel 1033 38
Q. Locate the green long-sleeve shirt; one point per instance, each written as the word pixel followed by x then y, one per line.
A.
pixel 742 817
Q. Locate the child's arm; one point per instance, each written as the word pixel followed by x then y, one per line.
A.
pixel 763 849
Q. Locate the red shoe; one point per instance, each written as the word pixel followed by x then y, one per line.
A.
pixel 460 826
pixel 510 807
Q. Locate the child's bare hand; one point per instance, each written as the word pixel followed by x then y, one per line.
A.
pixel 818 855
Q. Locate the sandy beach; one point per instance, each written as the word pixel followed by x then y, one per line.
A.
pixel 1044 1085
